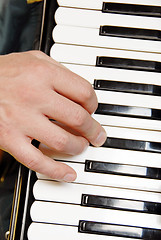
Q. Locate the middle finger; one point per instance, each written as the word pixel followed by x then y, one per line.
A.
pixel 76 117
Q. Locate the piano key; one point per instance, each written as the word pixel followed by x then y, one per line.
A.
pixel 51 212
pixel 74 193
pixel 123 137
pixel 132 134
pixel 127 87
pixel 94 19
pixel 131 9
pixel 120 204
pixel 124 121
pixel 118 230
pixel 122 169
pixel 109 109
pixel 132 145
pixel 126 138
pixel 47 231
pixel 130 99
pixel 127 63
pixel 91 72
pixel 110 180
pixel 87 55
pixel 94 37
pixel 97 4
pixel 139 158
pixel 137 33
pixel 104 97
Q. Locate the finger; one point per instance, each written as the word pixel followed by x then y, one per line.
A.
pixel 76 117
pixel 33 158
pixel 52 153
pixel 77 89
pixel 55 137
pixel 70 84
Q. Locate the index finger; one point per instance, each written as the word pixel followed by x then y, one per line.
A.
pixel 76 88
pixel 69 84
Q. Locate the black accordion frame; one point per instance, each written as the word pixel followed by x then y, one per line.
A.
pixel 23 197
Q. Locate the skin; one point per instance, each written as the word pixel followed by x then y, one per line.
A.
pixel 33 89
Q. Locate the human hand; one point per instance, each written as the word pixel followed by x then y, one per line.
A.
pixel 33 89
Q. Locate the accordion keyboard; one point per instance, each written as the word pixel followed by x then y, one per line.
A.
pixel 116 46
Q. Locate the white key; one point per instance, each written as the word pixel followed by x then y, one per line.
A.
pixel 123 156
pixel 71 214
pixel 72 192
pixel 134 134
pixel 58 51
pixel 91 37
pixel 129 99
pixel 97 4
pixel 113 155
pixel 110 180
pixel 94 19
pixel 87 55
pixel 91 72
pixel 128 122
pixel 42 231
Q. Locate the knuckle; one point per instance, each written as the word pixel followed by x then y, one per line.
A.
pixel 87 92
pixel 94 107
pixel 36 53
pixel 61 143
pixel 55 174
pixel 38 66
pixel 36 63
pixel 40 72
pixel 32 163
pixel 79 118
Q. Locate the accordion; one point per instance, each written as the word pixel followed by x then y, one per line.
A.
pixel 116 45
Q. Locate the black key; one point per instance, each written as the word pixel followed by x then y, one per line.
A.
pixel 120 204
pixel 147 89
pixel 132 145
pixel 131 64
pixel 136 33
pixel 128 111
pixel 119 230
pixel 122 169
pixel 131 9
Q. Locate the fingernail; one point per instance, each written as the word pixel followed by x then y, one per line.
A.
pixel 69 178
pixel 100 139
